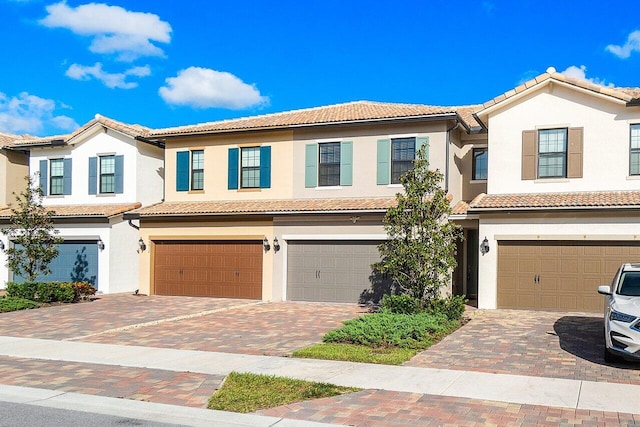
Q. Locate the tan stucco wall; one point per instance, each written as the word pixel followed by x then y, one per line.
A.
pixel 463 164
pixel 206 230
pixel 14 166
pixel 216 154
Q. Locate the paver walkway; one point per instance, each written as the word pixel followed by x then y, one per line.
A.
pixel 544 344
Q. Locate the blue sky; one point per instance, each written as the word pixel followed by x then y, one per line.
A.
pixel 165 63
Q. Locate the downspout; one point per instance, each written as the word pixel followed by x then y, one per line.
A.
pixel 446 163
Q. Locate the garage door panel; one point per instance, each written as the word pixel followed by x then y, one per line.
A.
pixel 208 268
pixel 330 271
pixel 567 282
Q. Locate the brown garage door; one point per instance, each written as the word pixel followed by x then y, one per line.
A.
pixel 558 275
pixel 208 269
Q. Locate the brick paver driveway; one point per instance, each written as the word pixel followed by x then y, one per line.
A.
pixel 546 344
pixel 209 324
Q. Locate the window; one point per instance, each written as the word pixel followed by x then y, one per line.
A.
pixel 107 174
pixel 329 165
pixel 480 156
pixel 552 153
pixel 56 184
pixel 634 156
pixel 197 169
pixel 403 152
pixel 250 167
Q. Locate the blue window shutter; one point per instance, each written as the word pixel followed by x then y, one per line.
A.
pixel 419 143
pixel 265 167
pixel 233 168
pixel 384 166
pixel 311 165
pixel 43 176
pixel 182 171
pixel 346 162
pixel 66 177
pixel 119 175
pixel 93 175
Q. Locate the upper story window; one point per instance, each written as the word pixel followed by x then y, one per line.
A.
pixel 396 156
pixel 479 167
pixel 55 177
pixel 634 155
pixel 329 164
pixel 197 169
pixel 403 153
pixel 56 183
pixel 107 174
pixel 552 153
pixel 250 167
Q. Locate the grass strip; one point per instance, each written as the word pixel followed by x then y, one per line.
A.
pixel 357 353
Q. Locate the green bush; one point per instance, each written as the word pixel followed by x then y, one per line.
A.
pixel 47 292
pixel 452 306
pixel 386 329
pixel 400 304
pixel 26 290
pixel 65 292
pixel 13 304
pixel 83 290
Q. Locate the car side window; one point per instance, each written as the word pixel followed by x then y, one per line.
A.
pixel 630 284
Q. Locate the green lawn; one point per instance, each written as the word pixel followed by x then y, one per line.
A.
pixel 357 353
pixel 251 392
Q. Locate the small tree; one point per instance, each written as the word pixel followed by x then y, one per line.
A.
pixel 419 254
pixel 32 233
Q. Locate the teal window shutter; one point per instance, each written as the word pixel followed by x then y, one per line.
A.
pixel 93 175
pixel 265 167
pixel 182 171
pixel 420 142
pixel 233 168
pixel 66 177
pixel 384 166
pixel 119 175
pixel 346 163
pixel 43 176
pixel 311 165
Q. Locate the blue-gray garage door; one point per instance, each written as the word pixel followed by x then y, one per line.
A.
pixel 77 261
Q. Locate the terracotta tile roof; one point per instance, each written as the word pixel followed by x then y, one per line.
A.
pixel 9 138
pixel 575 200
pixel 621 93
pixel 338 113
pixel 265 206
pixel 460 208
pixel 130 130
pixel 66 211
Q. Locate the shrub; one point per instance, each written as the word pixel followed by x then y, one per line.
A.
pixel 388 329
pixel 83 290
pixel 400 304
pixel 13 304
pixel 26 290
pixel 452 306
pixel 64 292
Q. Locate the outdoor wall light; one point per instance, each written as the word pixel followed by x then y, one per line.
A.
pixel 100 244
pixel 484 246
pixel 1 245
pixel 265 244
pixel 142 245
pixel 276 244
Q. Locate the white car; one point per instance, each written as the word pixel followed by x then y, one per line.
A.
pixel 622 314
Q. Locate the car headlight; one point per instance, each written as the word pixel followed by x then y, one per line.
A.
pixel 621 317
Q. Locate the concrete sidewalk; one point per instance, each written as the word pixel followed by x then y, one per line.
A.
pixel 475 385
pixel 138 410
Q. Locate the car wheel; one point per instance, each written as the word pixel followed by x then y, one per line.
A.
pixel 610 357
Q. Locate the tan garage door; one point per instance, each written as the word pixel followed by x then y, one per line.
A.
pixel 558 275
pixel 208 269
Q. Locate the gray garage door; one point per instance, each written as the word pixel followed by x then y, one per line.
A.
pixel 331 271
pixel 77 261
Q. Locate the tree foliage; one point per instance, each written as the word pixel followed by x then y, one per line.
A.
pixel 419 253
pixel 34 239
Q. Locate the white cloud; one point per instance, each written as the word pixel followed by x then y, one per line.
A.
pixel 28 113
pixel 110 80
pixel 205 88
pixel 581 73
pixel 115 30
pixel 632 45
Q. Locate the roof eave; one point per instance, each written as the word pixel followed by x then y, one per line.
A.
pixel 143 216
pixel 530 209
